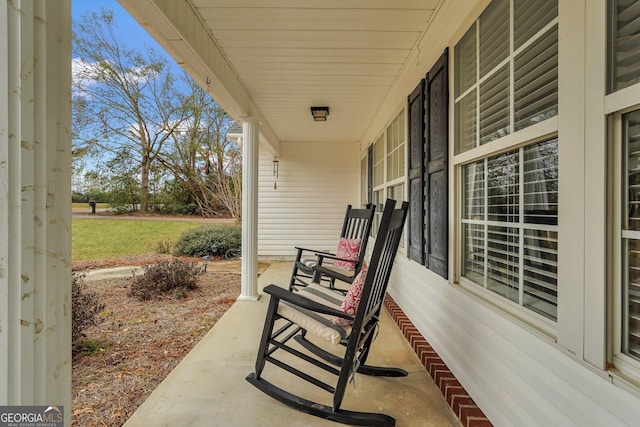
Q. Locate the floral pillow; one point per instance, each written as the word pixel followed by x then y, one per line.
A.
pixel 352 299
pixel 347 249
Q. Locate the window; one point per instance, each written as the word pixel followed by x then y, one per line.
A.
pixel 631 235
pixel 510 225
pixel 623 44
pixel 623 51
pixel 364 181
pixel 506 80
pixel 395 160
pixel 389 166
pixel 378 181
pixel 395 148
pixel 506 76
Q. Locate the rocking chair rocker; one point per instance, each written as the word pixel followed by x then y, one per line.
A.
pixel 310 265
pixel 313 310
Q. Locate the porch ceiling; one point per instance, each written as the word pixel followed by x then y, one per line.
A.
pixel 284 56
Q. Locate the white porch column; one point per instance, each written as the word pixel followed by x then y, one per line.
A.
pixel 250 128
pixel 35 209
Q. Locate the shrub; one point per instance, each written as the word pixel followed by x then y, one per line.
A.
pixel 175 208
pixel 198 242
pixel 84 308
pixel 163 247
pixel 175 277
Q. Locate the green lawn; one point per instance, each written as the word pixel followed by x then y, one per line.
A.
pixel 109 238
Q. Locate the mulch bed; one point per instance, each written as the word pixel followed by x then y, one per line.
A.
pixel 137 343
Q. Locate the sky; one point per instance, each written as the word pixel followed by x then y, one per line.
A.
pixel 134 36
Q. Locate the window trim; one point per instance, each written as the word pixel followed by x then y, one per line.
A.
pixel 537 321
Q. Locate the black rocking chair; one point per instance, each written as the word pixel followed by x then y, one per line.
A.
pixel 310 265
pixel 312 310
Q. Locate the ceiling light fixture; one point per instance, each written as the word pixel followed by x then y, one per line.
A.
pixel 320 113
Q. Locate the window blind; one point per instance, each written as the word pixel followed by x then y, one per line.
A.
pixel 378 162
pixel 632 137
pixel 494 36
pixel 631 344
pixel 540 246
pixel 465 79
pixel 530 17
pixel 516 84
pixel 630 240
pixel 503 273
pixel 494 106
pixel 503 184
pixel 473 254
pixel 465 62
pixel 541 272
pixel 541 183
pixel 624 44
pixel 474 191
pixel 395 147
pixel 536 81
pixel 465 111
pixel 510 211
pixel 474 209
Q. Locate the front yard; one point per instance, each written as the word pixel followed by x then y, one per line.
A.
pixel 136 344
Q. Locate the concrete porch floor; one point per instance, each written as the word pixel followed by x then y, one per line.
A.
pixel 208 388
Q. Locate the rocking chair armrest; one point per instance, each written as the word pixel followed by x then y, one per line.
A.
pixel 300 301
pixel 315 251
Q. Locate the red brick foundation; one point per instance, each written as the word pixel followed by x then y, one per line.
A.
pixel 457 397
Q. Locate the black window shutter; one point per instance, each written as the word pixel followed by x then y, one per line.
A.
pixel 416 173
pixel 436 204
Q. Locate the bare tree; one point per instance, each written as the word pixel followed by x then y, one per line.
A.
pixel 123 100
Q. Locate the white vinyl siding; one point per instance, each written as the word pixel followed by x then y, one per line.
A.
pixel 517 377
pixel 316 182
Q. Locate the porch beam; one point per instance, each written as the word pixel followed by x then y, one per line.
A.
pixel 250 143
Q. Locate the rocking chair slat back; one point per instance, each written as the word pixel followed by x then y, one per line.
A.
pixel 356 225
pixel 377 280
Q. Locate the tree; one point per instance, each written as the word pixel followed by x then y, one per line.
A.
pixel 123 185
pixel 202 159
pixel 123 101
